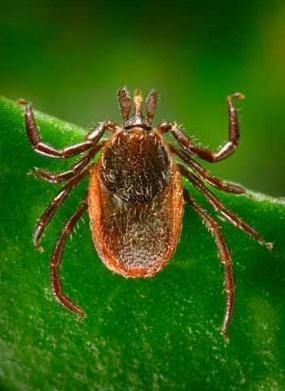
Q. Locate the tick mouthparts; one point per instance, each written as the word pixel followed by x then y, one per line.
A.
pixel 138 102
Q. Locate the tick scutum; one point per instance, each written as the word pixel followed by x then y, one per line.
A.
pixel 135 165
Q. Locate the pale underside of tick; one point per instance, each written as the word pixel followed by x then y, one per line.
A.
pixel 135 195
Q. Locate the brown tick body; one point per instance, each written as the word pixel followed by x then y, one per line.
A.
pixel 135 195
pixel 135 203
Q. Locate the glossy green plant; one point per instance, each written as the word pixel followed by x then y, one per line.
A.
pixel 142 334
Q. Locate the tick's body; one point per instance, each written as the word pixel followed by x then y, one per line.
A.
pixel 135 195
pixel 135 203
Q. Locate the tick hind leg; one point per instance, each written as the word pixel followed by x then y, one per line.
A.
pixel 225 258
pixel 56 259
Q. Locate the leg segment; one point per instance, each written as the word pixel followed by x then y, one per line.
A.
pixel 56 261
pixel 204 174
pixel 72 172
pixel 44 149
pixel 225 258
pixel 220 208
pixel 54 205
pixel 226 150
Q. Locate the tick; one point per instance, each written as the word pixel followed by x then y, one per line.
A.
pixel 135 195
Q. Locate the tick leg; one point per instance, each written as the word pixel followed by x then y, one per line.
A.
pixel 56 261
pixel 73 171
pixel 44 149
pixel 225 258
pixel 54 205
pixel 220 208
pixel 204 153
pixel 204 174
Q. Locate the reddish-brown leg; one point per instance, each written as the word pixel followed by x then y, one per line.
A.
pixel 204 153
pixel 204 174
pixel 56 261
pixel 72 172
pixel 54 205
pixel 44 149
pixel 220 208
pixel 225 258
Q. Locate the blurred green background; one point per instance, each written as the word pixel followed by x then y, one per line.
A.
pixel 70 57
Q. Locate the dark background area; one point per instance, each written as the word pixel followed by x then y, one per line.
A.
pixel 69 59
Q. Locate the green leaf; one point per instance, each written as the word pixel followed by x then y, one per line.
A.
pixel 140 334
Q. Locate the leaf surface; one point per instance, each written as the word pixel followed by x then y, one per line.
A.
pixel 140 334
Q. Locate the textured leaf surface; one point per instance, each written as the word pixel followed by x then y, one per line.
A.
pixel 145 334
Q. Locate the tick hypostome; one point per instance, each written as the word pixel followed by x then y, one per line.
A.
pixel 135 195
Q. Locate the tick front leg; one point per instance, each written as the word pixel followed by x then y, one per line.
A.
pixel 56 259
pixel 44 149
pixel 204 153
pixel 225 258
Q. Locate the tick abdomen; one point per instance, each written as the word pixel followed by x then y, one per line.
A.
pixel 135 204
